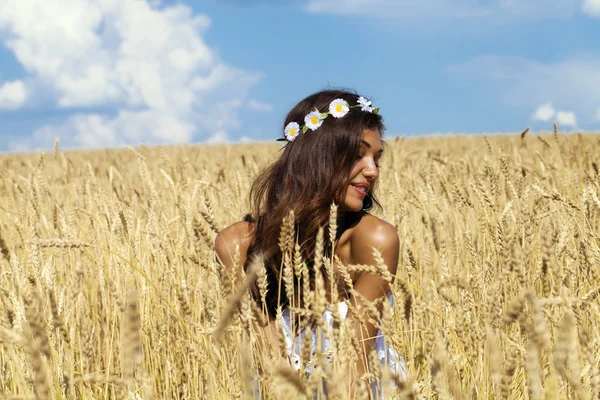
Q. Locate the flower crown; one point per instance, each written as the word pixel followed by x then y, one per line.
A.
pixel 314 119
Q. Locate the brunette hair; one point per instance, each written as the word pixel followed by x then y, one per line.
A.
pixel 312 173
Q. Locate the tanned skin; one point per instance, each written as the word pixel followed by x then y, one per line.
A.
pixel 355 245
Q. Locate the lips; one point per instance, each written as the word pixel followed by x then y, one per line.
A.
pixel 361 187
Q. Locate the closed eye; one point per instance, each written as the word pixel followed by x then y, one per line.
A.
pixel 360 157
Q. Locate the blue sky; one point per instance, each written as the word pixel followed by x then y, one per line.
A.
pixel 104 73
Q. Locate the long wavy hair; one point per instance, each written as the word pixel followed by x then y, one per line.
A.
pixel 312 173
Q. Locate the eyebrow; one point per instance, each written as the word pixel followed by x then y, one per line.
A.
pixel 369 146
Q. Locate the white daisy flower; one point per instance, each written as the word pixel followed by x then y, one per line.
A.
pixel 313 120
pixel 291 131
pixel 339 107
pixel 365 105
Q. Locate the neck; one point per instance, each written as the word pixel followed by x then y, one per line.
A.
pixel 345 220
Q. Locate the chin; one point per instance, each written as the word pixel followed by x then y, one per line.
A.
pixel 352 205
pixel 354 209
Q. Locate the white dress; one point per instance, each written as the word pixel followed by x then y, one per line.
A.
pixel 387 355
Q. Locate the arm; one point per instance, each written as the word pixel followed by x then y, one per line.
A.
pixel 382 236
pixel 231 239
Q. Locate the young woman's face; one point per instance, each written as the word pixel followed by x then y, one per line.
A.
pixel 365 170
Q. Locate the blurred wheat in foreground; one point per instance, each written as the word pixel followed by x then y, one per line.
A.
pixel 109 288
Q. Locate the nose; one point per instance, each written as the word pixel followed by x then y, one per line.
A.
pixel 370 171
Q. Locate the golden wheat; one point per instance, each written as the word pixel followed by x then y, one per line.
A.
pixel 110 286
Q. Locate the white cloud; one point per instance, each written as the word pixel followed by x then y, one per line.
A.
pixel 96 130
pixel 147 61
pixel 572 83
pixel 545 112
pixel 247 139
pixel 497 11
pixel 218 138
pixel 258 106
pixel 13 94
pixel 591 7
pixel 566 118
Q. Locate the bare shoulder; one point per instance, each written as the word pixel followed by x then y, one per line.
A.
pixel 373 232
pixel 228 239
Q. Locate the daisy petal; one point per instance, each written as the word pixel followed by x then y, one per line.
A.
pixel 313 120
pixel 338 108
pixel 291 131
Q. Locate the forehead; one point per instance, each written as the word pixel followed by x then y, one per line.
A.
pixel 373 138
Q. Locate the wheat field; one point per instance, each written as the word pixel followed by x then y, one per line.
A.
pixel 109 287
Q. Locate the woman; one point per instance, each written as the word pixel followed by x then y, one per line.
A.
pixel 331 155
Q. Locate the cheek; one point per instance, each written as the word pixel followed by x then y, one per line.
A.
pixel 355 169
